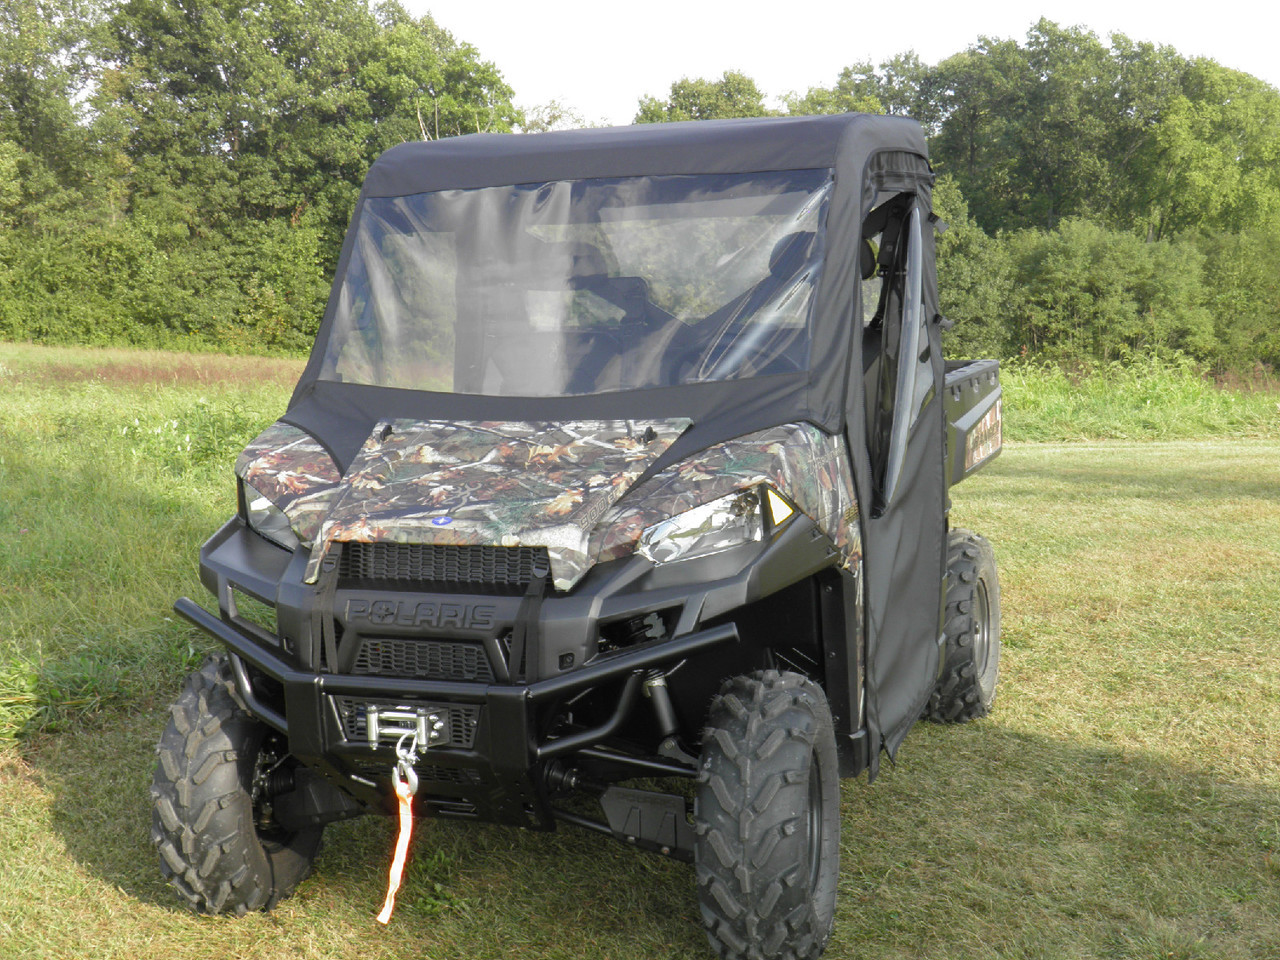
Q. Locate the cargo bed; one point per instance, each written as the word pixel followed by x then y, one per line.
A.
pixel 971 395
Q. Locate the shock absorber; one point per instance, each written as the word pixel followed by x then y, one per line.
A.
pixel 655 688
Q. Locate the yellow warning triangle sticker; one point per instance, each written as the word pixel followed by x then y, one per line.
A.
pixel 778 508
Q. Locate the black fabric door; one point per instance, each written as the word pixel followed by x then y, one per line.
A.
pixel 905 528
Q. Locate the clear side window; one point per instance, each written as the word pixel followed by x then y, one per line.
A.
pixel 915 368
pixel 872 280
pixel 897 372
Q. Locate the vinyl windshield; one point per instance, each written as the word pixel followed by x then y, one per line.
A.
pixel 582 286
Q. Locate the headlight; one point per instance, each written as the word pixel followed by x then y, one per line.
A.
pixel 710 528
pixel 267 519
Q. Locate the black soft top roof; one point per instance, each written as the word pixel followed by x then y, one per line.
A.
pixel 706 146
pixel 868 156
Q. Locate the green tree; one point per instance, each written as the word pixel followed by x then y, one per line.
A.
pixel 280 107
pixel 1024 128
pixel 1132 135
pixel 733 95
pixel 1242 291
pixel 183 170
pixel 856 90
pixel 1213 160
pixel 243 134
pixel 555 114
pixel 974 282
pixel 900 86
pixel 45 70
pixel 1146 78
pixel 1083 291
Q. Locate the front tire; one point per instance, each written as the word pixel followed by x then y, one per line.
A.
pixel 767 819
pixel 967 687
pixel 217 845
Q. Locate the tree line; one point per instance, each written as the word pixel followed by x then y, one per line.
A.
pixel 1105 201
pixel 181 171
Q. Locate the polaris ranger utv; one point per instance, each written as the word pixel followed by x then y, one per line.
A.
pixel 622 455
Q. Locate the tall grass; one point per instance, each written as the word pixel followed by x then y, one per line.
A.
pixel 1144 400
pixel 113 468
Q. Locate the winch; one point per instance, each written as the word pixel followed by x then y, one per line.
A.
pixel 427 725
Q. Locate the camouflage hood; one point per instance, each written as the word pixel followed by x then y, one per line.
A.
pixel 558 486
pixel 498 483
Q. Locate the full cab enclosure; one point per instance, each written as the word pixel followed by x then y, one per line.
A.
pixel 621 454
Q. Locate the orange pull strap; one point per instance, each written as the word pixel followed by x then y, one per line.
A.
pixel 405 796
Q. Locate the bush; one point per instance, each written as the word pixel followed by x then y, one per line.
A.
pixel 1083 292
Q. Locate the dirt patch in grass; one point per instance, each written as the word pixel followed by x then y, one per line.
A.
pixel 1260 379
pixel 39 365
pixel 168 369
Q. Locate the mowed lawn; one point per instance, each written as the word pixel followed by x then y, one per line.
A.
pixel 1122 801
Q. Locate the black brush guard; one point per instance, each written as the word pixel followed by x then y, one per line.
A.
pixel 503 776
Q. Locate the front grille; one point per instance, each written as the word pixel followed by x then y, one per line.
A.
pixel 422 659
pixel 507 568
pixel 463 718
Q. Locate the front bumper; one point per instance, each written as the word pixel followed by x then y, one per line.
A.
pixel 497 777
pixel 505 713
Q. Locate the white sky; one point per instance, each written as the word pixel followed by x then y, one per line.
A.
pixel 600 57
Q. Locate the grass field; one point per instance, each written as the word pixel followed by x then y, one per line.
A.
pixel 1123 800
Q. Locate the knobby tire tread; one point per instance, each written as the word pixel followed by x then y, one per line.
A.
pixel 958 696
pixel 203 820
pixel 763 732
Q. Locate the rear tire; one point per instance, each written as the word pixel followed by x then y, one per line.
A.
pixel 216 846
pixel 967 686
pixel 767 819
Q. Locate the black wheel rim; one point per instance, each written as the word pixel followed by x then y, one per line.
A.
pixel 815 822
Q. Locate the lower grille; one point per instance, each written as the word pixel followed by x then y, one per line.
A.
pixel 463 718
pixel 505 569
pixel 439 774
pixel 431 772
pixel 422 659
